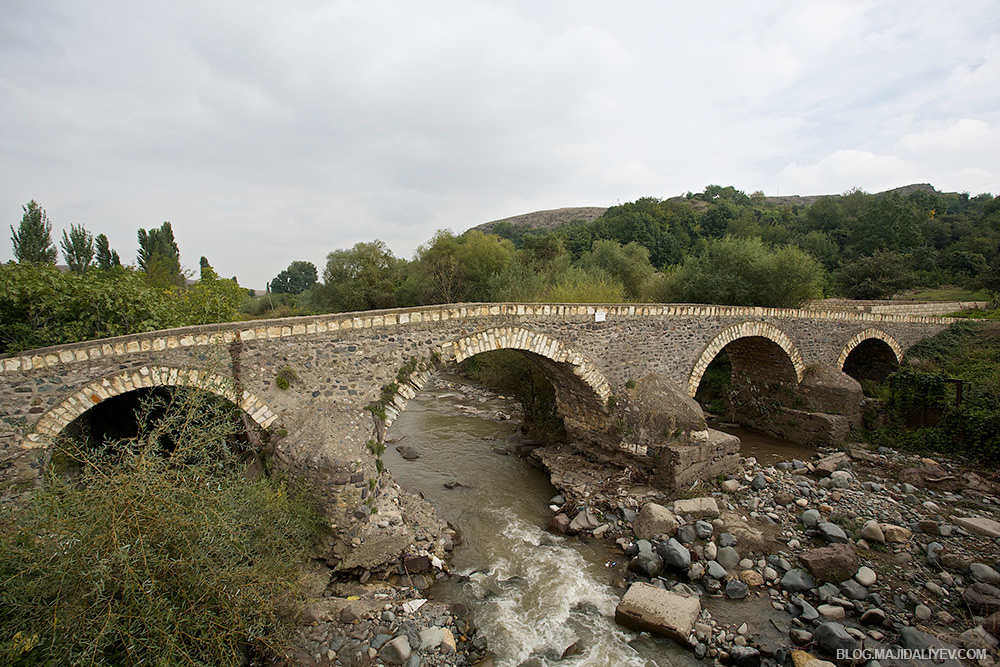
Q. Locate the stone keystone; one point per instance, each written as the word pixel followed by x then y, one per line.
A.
pixel 654 610
pixel 697 507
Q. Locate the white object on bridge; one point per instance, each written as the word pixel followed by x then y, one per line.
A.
pixel 600 316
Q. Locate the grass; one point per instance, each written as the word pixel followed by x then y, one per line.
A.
pixel 946 293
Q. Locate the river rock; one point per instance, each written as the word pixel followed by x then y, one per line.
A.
pixel 973 524
pixel 984 573
pixel 992 624
pixel 431 638
pixel 648 608
pixel 873 617
pixel 751 578
pixel 866 576
pixel 703 529
pixel 797 581
pixel 759 481
pixel 744 656
pixel 736 590
pixel 727 540
pixel 802 609
pixel 686 534
pixel 647 564
pixel 896 534
pixel 728 558
pixel 396 651
pixel 982 598
pixel 853 590
pixel 841 479
pixel 872 532
pixel 711 551
pixel 674 554
pixel 654 520
pixel 810 518
pixel 731 486
pixel 408 452
pixel 836 562
pixel 697 507
pixel 827 465
pixel 559 524
pixel 832 611
pixel 832 533
pixel 584 520
pixel 832 637
pixel 716 571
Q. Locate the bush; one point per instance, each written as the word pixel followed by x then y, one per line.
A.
pixel 153 557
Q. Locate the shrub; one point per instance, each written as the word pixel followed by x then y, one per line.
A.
pixel 153 557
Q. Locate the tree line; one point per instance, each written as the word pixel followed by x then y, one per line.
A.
pixel 718 246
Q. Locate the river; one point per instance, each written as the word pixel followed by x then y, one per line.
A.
pixel 533 594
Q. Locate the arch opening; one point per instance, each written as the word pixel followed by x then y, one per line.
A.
pixel 765 349
pixel 746 375
pixel 871 356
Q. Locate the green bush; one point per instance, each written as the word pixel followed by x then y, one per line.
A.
pixel 154 557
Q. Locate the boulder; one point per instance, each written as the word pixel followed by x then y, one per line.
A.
pixel 396 651
pixel 654 520
pixel 834 563
pixel 797 581
pixel 973 524
pixel 674 554
pixel 984 573
pixel 728 558
pixel 647 564
pixel 982 598
pixel 825 466
pixel 810 518
pixel 832 637
pixel 648 608
pixel 872 532
pixel 584 520
pixel 831 532
pixel 559 524
pixel 895 534
pixel 697 507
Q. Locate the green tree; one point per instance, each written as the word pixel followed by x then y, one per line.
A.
pixel 106 257
pixel 159 257
pixel 628 265
pixel 451 269
pixel 297 278
pixel 362 278
pixel 33 238
pixel 877 276
pixel 78 248
pixel 745 272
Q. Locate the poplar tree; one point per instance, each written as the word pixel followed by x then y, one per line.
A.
pixel 33 238
pixel 78 248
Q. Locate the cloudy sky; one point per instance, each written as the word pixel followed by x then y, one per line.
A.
pixel 268 132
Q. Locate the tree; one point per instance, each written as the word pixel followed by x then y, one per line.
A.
pixel 106 257
pixel 362 278
pixel 878 276
pixel 297 278
pixel 452 269
pixel 159 257
pixel 33 238
pixel 628 265
pixel 744 272
pixel 78 248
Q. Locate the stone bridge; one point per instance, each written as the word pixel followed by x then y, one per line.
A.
pixel 352 373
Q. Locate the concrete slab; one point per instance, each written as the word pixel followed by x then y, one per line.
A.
pixel 697 507
pixel 654 610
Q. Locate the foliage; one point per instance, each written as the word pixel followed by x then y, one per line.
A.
pixel 78 248
pixel 876 276
pixel 157 558
pixel 628 265
pixel 297 278
pixel 744 272
pixel 453 269
pixel 33 238
pixel 362 278
pixel 106 257
pixel 211 299
pixel 579 286
pixel 159 257
pixel 285 376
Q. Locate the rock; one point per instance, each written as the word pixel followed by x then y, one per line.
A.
pixel 922 612
pixel 430 638
pixel 784 498
pixel 651 609
pixel 349 615
pixel 751 578
pixel 977 637
pixel 872 532
pixel 797 581
pixel 836 562
pixel 801 658
pixel 832 637
pixel 992 624
pixel 832 533
pixel 727 540
pixel 895 534
pixel 696 572
pixel 982 598
pixel 686 534
pixel 841 479
pixel 674 554
pixel 832 611
pixel 759 481
pixel 396 651
pixel 731 486
pixel 703 529
pixel 654 520
pixel 728 558
pixel 584 520
pixel 873 617
pixel 984 573
pixel 736 590
pixel 811 518
pixel 866 576
pixel 802 609
pixel 697 507
pixel 800 638
pixel 987 527
pixel 744 656
pixel 559 524
pixel 853 590
pixel 826 466
pixel 408 452
pixel 716 571
pixel 647 564
pixel 711 551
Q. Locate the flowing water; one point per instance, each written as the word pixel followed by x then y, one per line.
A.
pixel 533 594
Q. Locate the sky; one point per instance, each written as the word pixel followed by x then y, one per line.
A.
pixel 268 132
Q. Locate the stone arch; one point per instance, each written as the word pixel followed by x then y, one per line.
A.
pixel 55 420
pixel 883 351
pixel 582 391
pixel 748 329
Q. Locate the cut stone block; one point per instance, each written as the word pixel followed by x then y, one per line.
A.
pixel 697 507
pixel 654 610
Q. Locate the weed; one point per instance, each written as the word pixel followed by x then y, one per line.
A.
pixel 284 378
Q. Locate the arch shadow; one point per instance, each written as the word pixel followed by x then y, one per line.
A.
pixel 747 330
pixel 870 355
